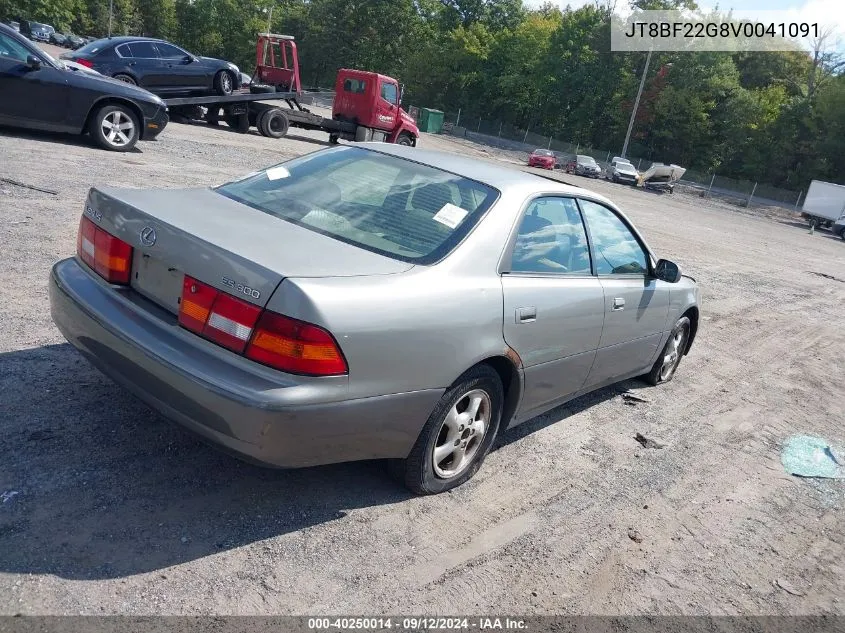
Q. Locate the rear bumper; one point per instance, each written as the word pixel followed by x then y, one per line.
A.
pixel 264 416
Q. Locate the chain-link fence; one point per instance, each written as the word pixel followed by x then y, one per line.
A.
pixel 517 143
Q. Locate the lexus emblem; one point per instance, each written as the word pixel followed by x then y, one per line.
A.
pixel 148 236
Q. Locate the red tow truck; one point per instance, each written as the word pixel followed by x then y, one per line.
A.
pixel 367 106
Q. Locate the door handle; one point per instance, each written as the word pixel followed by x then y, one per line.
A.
pixel 526 315
pixel 618 304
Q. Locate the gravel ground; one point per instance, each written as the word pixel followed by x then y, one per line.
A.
pixel 108 508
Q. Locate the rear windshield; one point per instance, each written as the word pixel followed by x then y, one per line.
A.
pixel 381 203
pixel 92 48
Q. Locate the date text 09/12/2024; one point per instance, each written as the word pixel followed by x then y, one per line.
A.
pixel 416 624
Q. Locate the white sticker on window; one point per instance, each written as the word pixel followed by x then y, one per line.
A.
pixel 274 173
pixel 450 215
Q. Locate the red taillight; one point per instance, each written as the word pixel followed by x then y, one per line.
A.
pixel 219 317
pixel 295 346
pixel 85 62
pixel 265 337
pixel 110 257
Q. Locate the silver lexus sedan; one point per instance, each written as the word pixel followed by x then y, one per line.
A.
pixel 369 302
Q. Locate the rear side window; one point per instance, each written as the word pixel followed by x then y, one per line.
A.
pixel 144 50
pixel 552 239
pixel 389 92
pixel 356 86
pixel 380 203
pixel 123 50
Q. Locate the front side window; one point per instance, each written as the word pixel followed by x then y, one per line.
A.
pixel 551 239
pixel 617 251
pixel 11 48
pixel 168 51
pixel 389 92
pixel 381 203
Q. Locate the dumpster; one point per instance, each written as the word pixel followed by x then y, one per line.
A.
pixel 430 121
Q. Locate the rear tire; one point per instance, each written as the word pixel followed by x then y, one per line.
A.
pixel 127 79
pixel 449 451
pixel 273 123
pixel 115 127
pixel 212 117
pixel 224 83
pixel 666 365
pixel 333 139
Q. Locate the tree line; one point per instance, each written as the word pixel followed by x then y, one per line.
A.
pixel 773 117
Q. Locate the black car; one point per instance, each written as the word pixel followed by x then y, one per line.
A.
pixel 158 66
pixel 74 41
pixel 40 93
pixel 57 38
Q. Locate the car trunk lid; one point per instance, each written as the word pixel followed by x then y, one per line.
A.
pixel 225 244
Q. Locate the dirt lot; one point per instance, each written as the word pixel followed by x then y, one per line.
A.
pixel 108 508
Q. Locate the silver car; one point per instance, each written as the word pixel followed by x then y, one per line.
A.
pixel 369 302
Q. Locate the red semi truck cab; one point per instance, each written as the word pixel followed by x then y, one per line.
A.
pixel 367 106
pixel 373 101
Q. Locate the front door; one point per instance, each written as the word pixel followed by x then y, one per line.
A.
pixel 553 304
pixel 181 74
pixel 143 62
pixel 30 97
pixel 387 104
pixel 636 304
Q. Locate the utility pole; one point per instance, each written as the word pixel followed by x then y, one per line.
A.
pixel 111 12
pixel 636 106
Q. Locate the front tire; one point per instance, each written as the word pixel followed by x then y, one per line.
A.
pixel 666 365
pixel 224 83
pixel 115 127
pixel 457 436
pixel 405 139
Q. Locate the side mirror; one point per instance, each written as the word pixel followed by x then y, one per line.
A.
pixel 33 62
pixel 188 59
pixel 667 271
pixel 401 93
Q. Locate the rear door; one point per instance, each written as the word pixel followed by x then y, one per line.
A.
pixel 553 304
pixel 387 103
pixel 636 304
pixel 30 97
pixel 144 64
pixel 178 72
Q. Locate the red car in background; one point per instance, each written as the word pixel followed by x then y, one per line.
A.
pixel 542 158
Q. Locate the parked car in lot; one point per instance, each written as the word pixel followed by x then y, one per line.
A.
pixel 838 227
pixel 621 170
pixel 36 31
pixel 542 158
pixel 74 42
pixel 583 166
pixel 268 314
pixel 39 92
pixel 57 39
pixel 15 25
pixel 158 66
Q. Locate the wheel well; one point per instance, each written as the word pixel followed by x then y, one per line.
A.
pixel 692 315
pixel 116 100
pixel 512 386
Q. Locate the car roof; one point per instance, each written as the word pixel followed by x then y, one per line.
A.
pixel 121 39
pixel 489 173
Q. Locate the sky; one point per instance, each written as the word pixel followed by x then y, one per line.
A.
pixel 825 12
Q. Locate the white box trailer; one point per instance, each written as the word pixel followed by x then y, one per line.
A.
pixel 824 204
